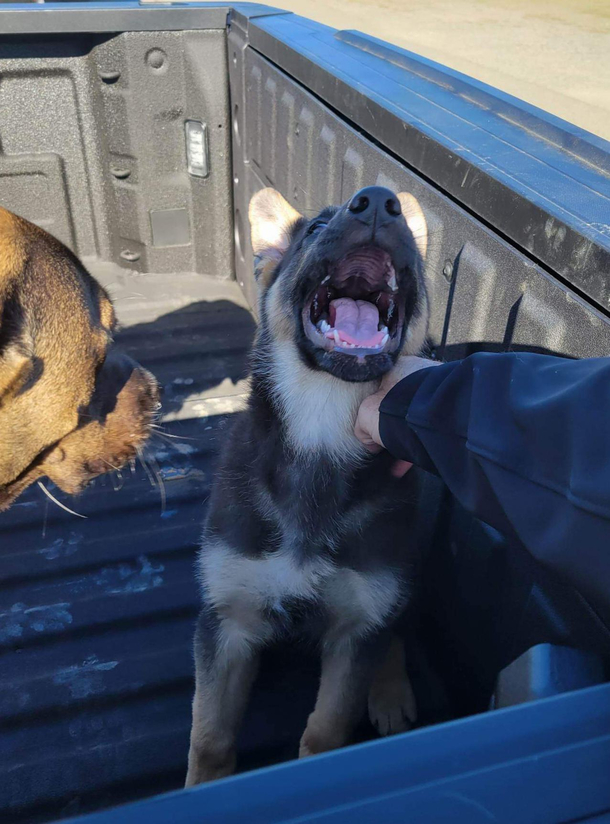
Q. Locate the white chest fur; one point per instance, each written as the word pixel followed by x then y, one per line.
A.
pixel 242 589
pixel 319 409
pixel 263 582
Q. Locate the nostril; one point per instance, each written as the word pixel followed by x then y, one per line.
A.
pixel 360 203
pixel 392 206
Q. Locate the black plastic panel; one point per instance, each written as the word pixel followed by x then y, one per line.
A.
pixel 538 180
pixel 92 144
pixel 484 292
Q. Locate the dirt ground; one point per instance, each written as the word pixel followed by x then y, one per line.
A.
pixel 552 53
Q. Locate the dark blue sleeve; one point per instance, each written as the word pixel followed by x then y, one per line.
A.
pixel 522 441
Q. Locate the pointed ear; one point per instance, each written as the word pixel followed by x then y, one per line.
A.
pixel 415 221
pixel 271 219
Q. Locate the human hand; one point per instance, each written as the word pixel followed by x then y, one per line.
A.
pixel 366 428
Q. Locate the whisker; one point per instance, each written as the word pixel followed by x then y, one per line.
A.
pixel 174 437
pixel 160 481
pixel 310 198
pixel 59 503
pixel 118 473
pixel 145 466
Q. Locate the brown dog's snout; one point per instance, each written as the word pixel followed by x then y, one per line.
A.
pixel 121 379
pixel 113 428
pixel 126 393
pixel 148 393
pixel 374 204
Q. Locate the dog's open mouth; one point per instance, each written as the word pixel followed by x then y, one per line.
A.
pixel 356 309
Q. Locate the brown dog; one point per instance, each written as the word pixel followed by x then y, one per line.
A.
pixel 71 408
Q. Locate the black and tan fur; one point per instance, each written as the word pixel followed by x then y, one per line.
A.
pixel 71 406
pixel 307 534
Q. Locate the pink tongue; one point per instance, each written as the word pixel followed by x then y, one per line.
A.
pixel 356 321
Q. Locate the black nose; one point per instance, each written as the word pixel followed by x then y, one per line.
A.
pixel 372 201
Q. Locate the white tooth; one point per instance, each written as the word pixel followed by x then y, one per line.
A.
pixel 392 283
pixel 384 340
pixel 336 337
pixel 324 326
pixel 326 279
pixel 383 328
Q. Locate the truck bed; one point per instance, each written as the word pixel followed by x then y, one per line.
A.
pixel 97 613
pixel 116 592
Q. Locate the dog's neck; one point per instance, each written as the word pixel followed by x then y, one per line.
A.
pixel 317 410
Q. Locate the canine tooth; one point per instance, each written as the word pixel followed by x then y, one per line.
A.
pixel 326 279
pixel 383 328
pixel 392 283
pixel 336 337
pixel 324 326
pixel 384 339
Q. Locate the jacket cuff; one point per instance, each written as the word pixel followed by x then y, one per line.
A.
pixel 394 431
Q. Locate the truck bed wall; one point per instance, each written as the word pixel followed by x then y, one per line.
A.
pixel 484 293
pixel 92 146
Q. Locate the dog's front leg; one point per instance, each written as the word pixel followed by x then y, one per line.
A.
pixel 348 667
pixel 226 661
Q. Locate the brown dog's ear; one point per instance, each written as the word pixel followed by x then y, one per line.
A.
pixel 271 222
pixel 416 221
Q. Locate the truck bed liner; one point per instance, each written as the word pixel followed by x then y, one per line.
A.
pixel 96 615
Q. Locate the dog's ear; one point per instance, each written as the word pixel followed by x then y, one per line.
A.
pixel 271 221
pixel 416 221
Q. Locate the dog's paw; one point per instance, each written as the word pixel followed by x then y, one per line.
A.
pixel 208 766
pixel 392 706
pixel 320 737
pixel 304 749
pixel 314 742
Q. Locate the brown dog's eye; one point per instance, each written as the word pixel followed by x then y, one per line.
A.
pixel 315 227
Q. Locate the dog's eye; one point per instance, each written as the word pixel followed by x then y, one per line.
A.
pixel 316 226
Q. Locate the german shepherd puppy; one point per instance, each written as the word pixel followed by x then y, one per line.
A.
pixel 307 534
pixel 71 406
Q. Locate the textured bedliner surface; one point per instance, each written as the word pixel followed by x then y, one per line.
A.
pixel 96 613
